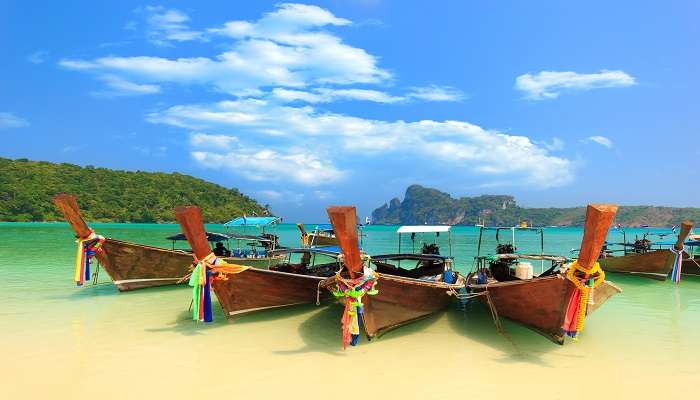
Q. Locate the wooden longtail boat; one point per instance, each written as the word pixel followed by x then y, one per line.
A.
pixel 691 260
pixel 252 289
pixel 131 265
pixel 318 237
pixel 400 299
pixel 643 261
pixel 541 302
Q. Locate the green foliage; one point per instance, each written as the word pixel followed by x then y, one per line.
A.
pixel 26 189
pixel 423 205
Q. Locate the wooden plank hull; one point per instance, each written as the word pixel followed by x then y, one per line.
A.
pixel 403 300
pixel 258 289
pixel 655 264
pixel 319 240
pixel 691 266
pixel 135 266
pixel 539 303
pixel 262 262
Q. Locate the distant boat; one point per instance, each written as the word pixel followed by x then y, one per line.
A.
pixel 540 302
pixel 639 258
pixel 137 266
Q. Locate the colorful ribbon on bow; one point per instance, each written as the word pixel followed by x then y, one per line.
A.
pixel 208 269
pixel 677 265
pixel 581 297
pixel 353 290
pixel 87 248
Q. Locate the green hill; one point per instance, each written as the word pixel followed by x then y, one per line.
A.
pixel 26 188
pixel 423 205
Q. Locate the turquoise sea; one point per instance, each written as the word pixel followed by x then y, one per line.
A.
pixel 61 341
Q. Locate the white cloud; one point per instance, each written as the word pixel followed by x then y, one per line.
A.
pixel 326 95
pixel 220 142
pixel 322 194
pixel 10 120
pixel 436 93
pixel 601 140
pixel 460 144
pixel 284 196
pixel 285 48
pixel 169 25
pixel 550 84
pixel 555 145
pixel 121 87
pixel 38 57
pixel 262 164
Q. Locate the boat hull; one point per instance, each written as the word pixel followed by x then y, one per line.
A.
pixel 403 300
pixel 318 240
pixel 134 266
pixel 262 263
pixel 691 266
pixel 540 303
pixel 655 264
pixel 259 289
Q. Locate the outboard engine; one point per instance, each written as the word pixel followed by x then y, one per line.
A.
pixel 430 249
pixel 500 269
pixel 273 243
pixel 641 246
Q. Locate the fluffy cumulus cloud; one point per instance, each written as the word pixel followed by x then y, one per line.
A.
pixel 601 140
pixel 550 84
pixel 279 72
pixel 459 144
pixel 260 164
pixel 165 26
pixel 286 48
pixel 10 120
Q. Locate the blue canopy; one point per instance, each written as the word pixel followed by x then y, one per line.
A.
pixel 211 237
pixel 253 221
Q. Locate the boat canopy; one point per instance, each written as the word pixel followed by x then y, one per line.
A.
pixel 410 256
pixel 330 251
pixel 211 237
pixel 324 228
pixel 517 228
pixel 248 238
pixel 423 228
pixel 253 221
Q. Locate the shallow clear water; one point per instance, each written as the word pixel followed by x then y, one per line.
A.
pixel 58 340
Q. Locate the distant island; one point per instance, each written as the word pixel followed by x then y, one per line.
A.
pixel 107 195
pixel 423 205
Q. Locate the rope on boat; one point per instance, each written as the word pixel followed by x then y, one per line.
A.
pixel 353 290
pixel 87 248
pixel 677 264
pixel 489 302
pixel 208 269
pixel 581 297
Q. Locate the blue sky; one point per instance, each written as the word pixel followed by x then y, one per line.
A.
pixel 302 105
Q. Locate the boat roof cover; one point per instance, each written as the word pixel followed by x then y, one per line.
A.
pixel 331 251
pixel 211 237
pixel 249 238
pixel 423 228
pixel 253 221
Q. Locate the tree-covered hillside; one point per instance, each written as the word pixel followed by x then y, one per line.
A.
pixel 26 189
pixel 423 205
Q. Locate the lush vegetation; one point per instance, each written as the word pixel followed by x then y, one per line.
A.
pixel 26 189
pixel 423 205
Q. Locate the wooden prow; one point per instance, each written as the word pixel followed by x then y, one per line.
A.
pixel 190 220
pixel 302 229
pixel 686 226
pixel 68 206
pixel 599 217
pixel 344 221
